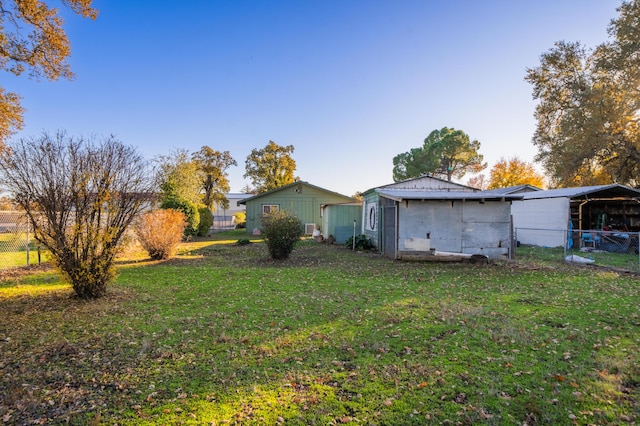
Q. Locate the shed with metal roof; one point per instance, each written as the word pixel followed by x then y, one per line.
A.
pixel 428 215
pixel 544 217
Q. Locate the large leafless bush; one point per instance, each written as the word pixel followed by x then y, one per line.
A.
pixel 80 195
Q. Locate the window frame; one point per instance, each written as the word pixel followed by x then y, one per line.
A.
pixel 270 208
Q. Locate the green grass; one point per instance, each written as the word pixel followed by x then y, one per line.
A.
pixel 224 335
pixel 13 251
pixel 555 255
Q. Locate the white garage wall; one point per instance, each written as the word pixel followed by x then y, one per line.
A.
pixel 541 222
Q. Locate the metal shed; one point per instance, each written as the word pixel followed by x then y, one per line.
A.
pixel 375 209
pixel 462 222
pixel 223 215
pixel 418 215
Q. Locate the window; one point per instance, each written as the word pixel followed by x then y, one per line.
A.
pixel 270 208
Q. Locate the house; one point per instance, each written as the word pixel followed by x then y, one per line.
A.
pixel 543 217
pixel 421 215
pixel 300 199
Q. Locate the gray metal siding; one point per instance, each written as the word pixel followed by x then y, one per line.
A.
pixel 486 228
pixel 456 226
pixel 442 220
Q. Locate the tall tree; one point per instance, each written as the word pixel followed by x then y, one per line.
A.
pixel 32 37
pixel 478 181
pixel 588 128
pixel 214 179
pixel 180 185
pixel 79 196
pixel 178 177
pixel 270 167
pixel 512 172
pixel 446 152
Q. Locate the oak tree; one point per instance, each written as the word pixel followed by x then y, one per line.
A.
pixel 80 196
pixel 446 153
pixel 32 38
pixel 214 179
pixel 513 172
pixel 588 128
pixel 270 167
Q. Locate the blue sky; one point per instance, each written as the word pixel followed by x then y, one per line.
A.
pixel 349 83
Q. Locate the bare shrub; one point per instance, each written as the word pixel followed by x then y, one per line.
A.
pixel 79 196
pixel 160 232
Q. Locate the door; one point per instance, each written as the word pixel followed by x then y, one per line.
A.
pixel 389 239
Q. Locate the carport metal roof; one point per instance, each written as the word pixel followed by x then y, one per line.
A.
pixel 586 192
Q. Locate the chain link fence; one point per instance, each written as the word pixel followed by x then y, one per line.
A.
pixel 610 248
pixel 17 246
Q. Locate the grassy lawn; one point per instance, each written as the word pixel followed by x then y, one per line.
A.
pixel 555 255
pixel 224 335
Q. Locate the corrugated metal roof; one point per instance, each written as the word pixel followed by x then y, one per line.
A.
pixel 586 192
pixel 399 195
pixel 513 189
pixel 425 182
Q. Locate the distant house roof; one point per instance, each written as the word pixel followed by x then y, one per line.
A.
pixel 237 195
pixel 291 185
pixel 403 194
pixel 586 192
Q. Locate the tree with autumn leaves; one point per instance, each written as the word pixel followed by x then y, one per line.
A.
pixel 513 172
pixel 32 38
pixel 588 127
pixel 507 173
pixel 212 170
pixel 270 167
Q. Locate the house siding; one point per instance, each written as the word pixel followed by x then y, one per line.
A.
pixel 338 220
